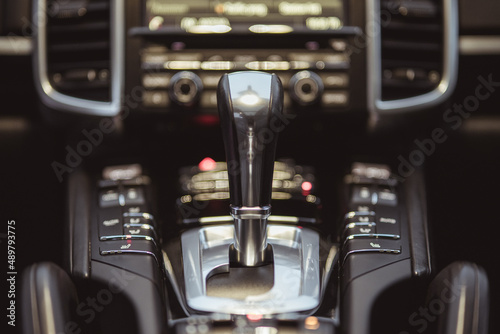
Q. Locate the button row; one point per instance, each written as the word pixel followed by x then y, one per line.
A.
pixel 373 195
pixel 124 223
pixel 127 197
pixel 114 224
pixel 384 223
pixel 373 225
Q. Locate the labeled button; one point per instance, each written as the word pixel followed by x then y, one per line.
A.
pixel 387 196
pixel 140 219
pixel 156 80
pixel 335 80
pixel 155 99
pixel 139 230
pixel 388 223
pixel 354 229
pixel 128 246
pixel 335 99
pixel 109 198
pixel 362 216
pixel 371 245
pixel 134 196
pixel 110 223
pixel 363 195
pixel 210 80
pixel 339 45
pixel 135 209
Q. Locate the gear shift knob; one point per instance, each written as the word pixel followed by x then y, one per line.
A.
pixel 250 108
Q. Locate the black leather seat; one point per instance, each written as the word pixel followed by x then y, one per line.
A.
pixel 49 300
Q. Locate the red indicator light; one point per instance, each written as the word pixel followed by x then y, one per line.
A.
pixel 307 186
pixel 254 317
pixel 207 120
pixel 207 164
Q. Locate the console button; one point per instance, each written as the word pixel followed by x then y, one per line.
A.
pixel 210 80
pixel 387 196
pixel 388 222
pixel 128 246
pixel 339 45
pixel 139 230
pixel 371 171
pixel 353 230
pixel 363 195
pixel 155 99
pixel 110 223
pixel 156 80
pixel 335 99
pixel 371 245
pixel 361 216
pixel 335 80
pixel 135 209
pixel 359 228
pixel 134 196
pixel 109 198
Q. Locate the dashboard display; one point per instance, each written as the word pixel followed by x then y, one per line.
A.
pixel 258 16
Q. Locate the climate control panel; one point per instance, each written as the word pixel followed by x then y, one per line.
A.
pixel 187 79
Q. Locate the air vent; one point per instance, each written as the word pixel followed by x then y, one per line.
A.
pixel 79 48
pixel 411 47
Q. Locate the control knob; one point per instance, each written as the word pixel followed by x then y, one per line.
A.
pixel 185 88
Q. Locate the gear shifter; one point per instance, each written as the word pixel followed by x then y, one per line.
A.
pixel 250 107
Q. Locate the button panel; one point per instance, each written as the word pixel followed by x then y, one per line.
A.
pixel 373 225
pixel 125 222
pixel 160 66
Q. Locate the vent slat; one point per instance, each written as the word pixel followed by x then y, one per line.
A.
pixel 98 64
pixel 79 48
pixel 411 45
pixel 80 27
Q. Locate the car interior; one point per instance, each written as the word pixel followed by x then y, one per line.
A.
pixel 250 166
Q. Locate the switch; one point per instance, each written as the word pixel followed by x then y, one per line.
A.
pixel 128 246
pixel 138 219
pixel 356 229
pixel 109 198
pixel 363 195
pixel 134 196
pixel 139 230
pixel 388 222
pixel 371 245
pixel 136 210
pixel 110 223
pixel 387 196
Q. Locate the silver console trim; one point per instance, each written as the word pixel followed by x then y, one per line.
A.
pixel 445 87
pixel 12 45
pixel 479 45
pixel 54 99
pixel 297 288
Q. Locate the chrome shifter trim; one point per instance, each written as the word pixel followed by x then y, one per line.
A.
pixel 250 234
pixel 297 282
